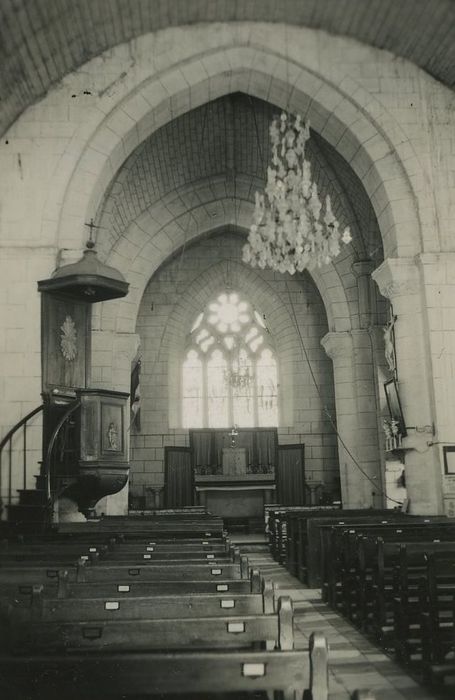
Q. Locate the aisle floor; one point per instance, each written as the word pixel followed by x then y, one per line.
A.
pixel 355 662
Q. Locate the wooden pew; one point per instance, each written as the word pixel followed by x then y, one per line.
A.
pixel 121 573
pixel 21 634
pixel 381 578
pixel 366 558
pixel 57 548
pixel 123 556
pixel 295 673
pixel 318 550
pixel 332 558
pixel 278 527
pixel 159 527
pixel 37 606
pixel 137 629
pixel 436 593
pixel 63 586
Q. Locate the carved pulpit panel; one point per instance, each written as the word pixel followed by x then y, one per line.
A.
pixel 103 426
pixel 65 344
pixel 103 463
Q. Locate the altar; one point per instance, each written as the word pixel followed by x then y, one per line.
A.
pixel 234 472
pixel 242 497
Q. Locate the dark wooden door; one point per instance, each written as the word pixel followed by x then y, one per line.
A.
pixel 290 475
pixel 178 477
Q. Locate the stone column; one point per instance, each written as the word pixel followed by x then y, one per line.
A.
pixel 356 417
pixel 362 270
pixel 401 281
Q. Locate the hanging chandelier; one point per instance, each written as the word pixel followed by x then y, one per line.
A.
pixel 238 377
pixel 290 230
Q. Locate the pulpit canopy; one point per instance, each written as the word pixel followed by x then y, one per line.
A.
pixel 87 280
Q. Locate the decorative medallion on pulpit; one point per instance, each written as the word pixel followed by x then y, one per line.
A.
pixel 68 339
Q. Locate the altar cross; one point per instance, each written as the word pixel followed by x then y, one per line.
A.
pixel 234 432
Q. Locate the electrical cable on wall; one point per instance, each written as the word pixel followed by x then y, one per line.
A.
pixel 326 410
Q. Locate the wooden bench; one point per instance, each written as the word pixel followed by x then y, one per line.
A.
pixel 436 602
pixel 366 559
pixel 61 585
pixel 107 618
pixel 145 571
pixel 319 548
pixel 148 554
pixel 39 606
pixel 294 673
pixel 24 634
pixel 158 527
pixel 117 547
pixel 337 553
pixel 381 578
pixel 278 527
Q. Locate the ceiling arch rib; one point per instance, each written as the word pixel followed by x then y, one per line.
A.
pixel 41 42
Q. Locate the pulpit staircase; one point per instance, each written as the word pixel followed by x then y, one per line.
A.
pixel 32 510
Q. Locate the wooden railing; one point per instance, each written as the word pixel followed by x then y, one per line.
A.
pixel 48 460
pixel 48 472
pixel 6 445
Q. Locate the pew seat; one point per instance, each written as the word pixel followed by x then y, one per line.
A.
pixel 22 633
pixel 192 673
pixel 39 607
pixel 62 587
pixel 146 571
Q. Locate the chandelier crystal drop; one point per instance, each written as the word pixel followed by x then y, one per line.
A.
pixel 238 377
pixel 291 231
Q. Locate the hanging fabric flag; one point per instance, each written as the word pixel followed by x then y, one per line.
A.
pixel 135 395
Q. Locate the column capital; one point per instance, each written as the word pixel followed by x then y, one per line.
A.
pixel 396 277
pixel 337 345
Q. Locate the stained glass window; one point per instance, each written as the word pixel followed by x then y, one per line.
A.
pixel 229 370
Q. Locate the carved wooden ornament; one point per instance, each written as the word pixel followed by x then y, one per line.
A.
pixel 68 339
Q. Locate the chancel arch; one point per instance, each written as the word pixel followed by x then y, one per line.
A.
pixel 208 191
pixel 178 293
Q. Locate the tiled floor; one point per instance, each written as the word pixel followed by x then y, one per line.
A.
pixel 354 661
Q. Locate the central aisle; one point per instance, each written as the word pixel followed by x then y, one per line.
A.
pixel 354 662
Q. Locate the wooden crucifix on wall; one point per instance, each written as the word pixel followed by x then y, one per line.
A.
pixel 389 343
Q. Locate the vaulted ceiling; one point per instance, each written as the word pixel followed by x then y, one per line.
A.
pixel 224 146
pixel 43 40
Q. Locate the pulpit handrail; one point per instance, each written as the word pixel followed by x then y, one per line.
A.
pixel 19 424
pixel 22 423
pixel 50 448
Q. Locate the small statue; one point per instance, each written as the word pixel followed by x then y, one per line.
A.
pixel 112 436
pixel 387 428
pixel 394 427
pixel 389 344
